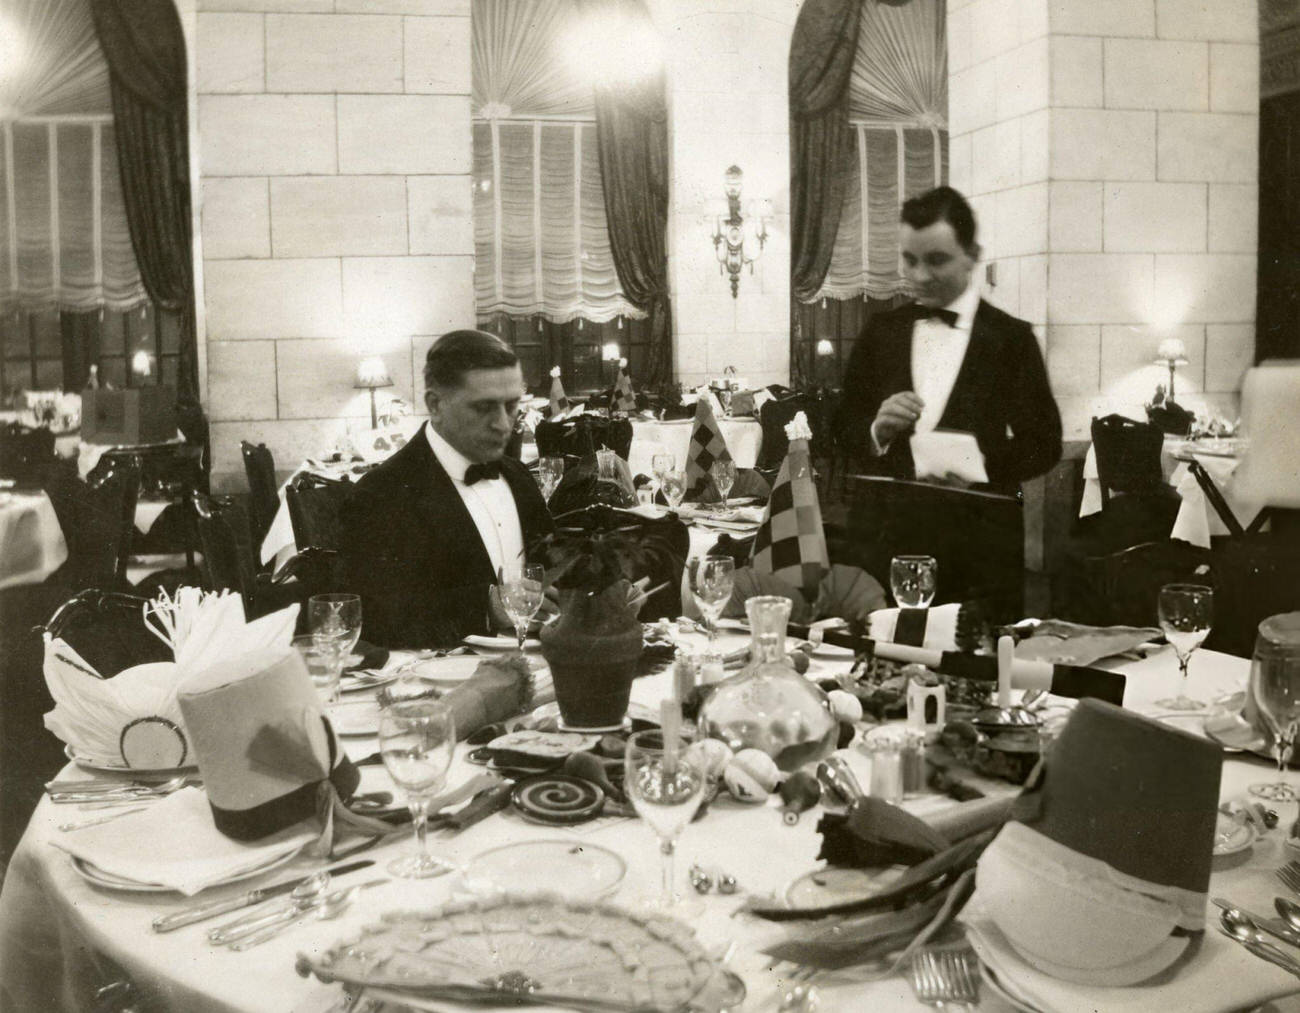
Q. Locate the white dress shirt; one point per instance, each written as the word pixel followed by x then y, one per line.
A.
pixel 490 503
pixel 937 354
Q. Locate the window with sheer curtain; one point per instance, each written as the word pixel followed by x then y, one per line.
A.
pixel 898 107
pixel 70 291
pixel 544 276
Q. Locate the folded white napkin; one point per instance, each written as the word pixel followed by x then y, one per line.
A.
pixel 941 452
pixel 940 626
pixel 174 843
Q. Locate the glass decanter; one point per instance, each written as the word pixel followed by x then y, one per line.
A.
pixel 768 705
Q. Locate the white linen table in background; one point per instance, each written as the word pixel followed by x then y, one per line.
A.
pixel 744 438
pixel 61 938
pixel 31 542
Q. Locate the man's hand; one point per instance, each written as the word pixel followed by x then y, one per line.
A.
pixel 897 415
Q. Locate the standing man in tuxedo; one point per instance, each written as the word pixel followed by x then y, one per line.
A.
pixel 948 361
pixel 428 531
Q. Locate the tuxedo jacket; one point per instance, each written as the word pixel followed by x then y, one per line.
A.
pixel 413 553
pixel 1001 396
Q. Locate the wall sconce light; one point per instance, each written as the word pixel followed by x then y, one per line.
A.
pixel 729 233
pixel 371 374
pixel 1172 353
pixel 141 365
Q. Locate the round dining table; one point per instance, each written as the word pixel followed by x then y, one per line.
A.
pixel 31 542
pixel 62 938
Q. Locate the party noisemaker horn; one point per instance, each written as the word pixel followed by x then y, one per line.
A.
pixel 1073 681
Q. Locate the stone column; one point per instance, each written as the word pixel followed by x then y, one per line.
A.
pixel 1110 149
pixel 726 63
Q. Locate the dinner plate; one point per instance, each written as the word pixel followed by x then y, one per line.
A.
pixel 136 773
pixel 358 717
pixel 93 874
pixel 455 668
pixel 502 643
pixel 834 885
pixel 356 682
pixel 576 870
pixel 1231 837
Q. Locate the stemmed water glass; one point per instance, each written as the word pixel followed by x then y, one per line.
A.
pixel 521 597
pixel 416 740
pixel 674 484
pixel 549 472
pixel 724 477
pixel 661 464
pixel 913 580
pixel 1186 615
pixel 665 786
pixel 1275 688
pixel 335 624
pixel 713 578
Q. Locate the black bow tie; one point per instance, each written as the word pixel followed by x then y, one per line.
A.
pixel 488 469
pixel 933 313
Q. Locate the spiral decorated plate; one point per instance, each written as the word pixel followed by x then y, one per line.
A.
pixel 557 799
pixel 553 951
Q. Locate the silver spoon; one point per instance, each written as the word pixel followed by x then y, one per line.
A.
pixel 331 907
pixel 1274 927
pixel 300 897
pixel 1289 910
pixel 1243 929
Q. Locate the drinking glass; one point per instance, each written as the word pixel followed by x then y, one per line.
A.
pixel 521 597
pixel 416 739
pixel 661 464
pixel 665 787
pixel 913 580
pixel 549 472
pixel 674 487
pixel 724 477
pixel 712 580
pixel 1275 690
pixel 323 665
pixel 1186 615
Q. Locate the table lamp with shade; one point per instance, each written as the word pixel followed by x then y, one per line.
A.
pixel 371 375
pixel 1163 411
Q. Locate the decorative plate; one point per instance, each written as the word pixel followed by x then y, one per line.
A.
pixel 575 869
pixel 137 773
pixel 554 952
pixel 834 885
pixel 557 799
pixel 1230 836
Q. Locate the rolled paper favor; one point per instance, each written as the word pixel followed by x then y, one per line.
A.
pixel 262 743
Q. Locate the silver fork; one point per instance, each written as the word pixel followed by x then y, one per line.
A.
pixel 1289 874
pixel 945 978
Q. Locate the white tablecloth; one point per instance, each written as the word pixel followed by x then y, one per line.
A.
pixel 31 541
pixel 61 938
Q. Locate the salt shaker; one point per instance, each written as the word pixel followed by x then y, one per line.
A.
pixel 922 688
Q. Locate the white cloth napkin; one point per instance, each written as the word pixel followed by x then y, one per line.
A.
pixel 940 626
pixel 174 843
pixel 941 452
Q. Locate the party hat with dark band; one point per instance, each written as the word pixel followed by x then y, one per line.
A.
pixel 559 402
pixel 707 446
pixel 791 543
pixel 623 400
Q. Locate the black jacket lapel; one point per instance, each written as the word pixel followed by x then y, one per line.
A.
pixel 444 512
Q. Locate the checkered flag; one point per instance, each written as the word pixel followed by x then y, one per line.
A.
pixel 559 402
pixel 622 400
pixel 791 543
pixel 707 446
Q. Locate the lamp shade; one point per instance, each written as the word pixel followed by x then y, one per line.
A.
pixel 371 372
pixel 1172 350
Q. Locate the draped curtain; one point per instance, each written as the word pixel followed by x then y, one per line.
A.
pixel 64 240
pixel 145 49
pixel 542 244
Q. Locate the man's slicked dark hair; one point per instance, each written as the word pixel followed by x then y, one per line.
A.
pixel 457 352
pixel 943 203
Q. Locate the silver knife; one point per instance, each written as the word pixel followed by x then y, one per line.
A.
pixel 200 912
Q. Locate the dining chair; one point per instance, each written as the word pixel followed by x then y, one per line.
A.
pixel 106 628
pixel 583 435
pixel 263 497
pixel 1122 588
pixel 98 520
pixel 1138 505
pixel 25 452
pixel 315 504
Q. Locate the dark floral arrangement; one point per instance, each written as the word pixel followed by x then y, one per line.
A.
pixel 597 546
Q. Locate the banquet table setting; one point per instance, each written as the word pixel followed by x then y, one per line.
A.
pixel 68 927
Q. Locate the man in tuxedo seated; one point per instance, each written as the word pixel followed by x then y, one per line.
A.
pixel 949 361
pixel 428 531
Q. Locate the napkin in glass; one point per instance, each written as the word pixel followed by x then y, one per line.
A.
pixel 940 626
pixel 175 843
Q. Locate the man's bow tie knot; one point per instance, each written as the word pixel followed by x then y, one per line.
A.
pixel 487 469
pixel 934 313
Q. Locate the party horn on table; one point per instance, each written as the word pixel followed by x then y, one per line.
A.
pixel 1073 681
pixel 799 793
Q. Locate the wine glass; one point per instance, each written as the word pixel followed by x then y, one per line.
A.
pixel 665 787
pixel 521 597
pixel 1275 689
pixel 724 477
pixel 1186 614
pixel 913 580
pixel 661 464
pixel 674 487
pixel 549 472
pixel 322 660
pixel 712 580
pixel 335 624
pixel 416 740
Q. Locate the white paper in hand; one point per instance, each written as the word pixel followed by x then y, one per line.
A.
pixel 941 452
